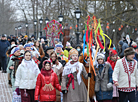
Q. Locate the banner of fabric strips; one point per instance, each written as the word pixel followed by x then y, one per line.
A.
pixel 96 33
pixel 53 29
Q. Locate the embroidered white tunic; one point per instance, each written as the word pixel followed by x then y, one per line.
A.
pixel 126 77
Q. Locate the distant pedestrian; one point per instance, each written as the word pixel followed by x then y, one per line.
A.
pixel 4 44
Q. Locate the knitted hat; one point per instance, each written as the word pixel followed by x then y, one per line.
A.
pixel 27 45
pixel 112 52
pixel 129 51
pixel 25 36
pixel 67 44
pixel 14 50
pixel 73 51
pixel 100 56
pixel 59 45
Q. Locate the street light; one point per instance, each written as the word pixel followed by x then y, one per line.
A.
pixel 16 31
pixel 60 18
pixel 19 28
pixel 26 29
pixel 77 15
pixel 40 21
pixel 46 20
pixel 35 23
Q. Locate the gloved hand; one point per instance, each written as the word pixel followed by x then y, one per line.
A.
pixel 64 91
pixel 109 85
pixel 89 75
pixel 17 91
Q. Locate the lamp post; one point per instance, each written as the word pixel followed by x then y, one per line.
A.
pixel 26 29
pixel 35 22
pixel 16 31
pixel 60 18
pixel 19 28
pixel 46 21
pixel 40 21
pixel 77 15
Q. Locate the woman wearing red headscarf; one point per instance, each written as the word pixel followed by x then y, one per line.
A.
pixel 113 56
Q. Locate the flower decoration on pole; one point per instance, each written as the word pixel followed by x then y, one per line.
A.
pixel 53 29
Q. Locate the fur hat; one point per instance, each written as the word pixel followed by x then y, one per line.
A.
pixel 14 50
pixel 129 51
pixel 100 56
pixel 27 45
pixel 73 51
pixel 59 45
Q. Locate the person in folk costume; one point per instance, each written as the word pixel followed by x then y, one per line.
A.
pixel 73 87
pixel 46 83
pixel 15 60
pixel 27 47
pixel 86 60
pixel 67 49
pixel 125 76
pixel 8 57
pixel 112 59
pixel 103 80
pixel 58 69
pixel 26 76
pixel 61 58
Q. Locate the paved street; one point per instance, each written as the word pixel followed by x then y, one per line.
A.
pixel 5 90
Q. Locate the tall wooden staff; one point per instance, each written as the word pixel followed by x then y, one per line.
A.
pixel 90 56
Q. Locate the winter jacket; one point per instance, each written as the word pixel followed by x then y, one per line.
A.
pixel 104 76
pixel 127 81
pixel 47 93
pixel 26 77
pixel 115 90
pixel 123 47
pixel 12 73
pixel 4 44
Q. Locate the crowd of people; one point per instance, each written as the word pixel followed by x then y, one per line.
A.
pixel 40 72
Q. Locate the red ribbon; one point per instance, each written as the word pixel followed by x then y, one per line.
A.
pixel 11 55
pixel 71 78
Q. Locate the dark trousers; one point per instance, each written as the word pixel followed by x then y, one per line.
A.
pixel 29 97
pixel 3 61
pixel 115 99
pixel 123 96
pixel 136 96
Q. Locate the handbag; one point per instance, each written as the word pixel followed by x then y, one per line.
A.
pixel 16 97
